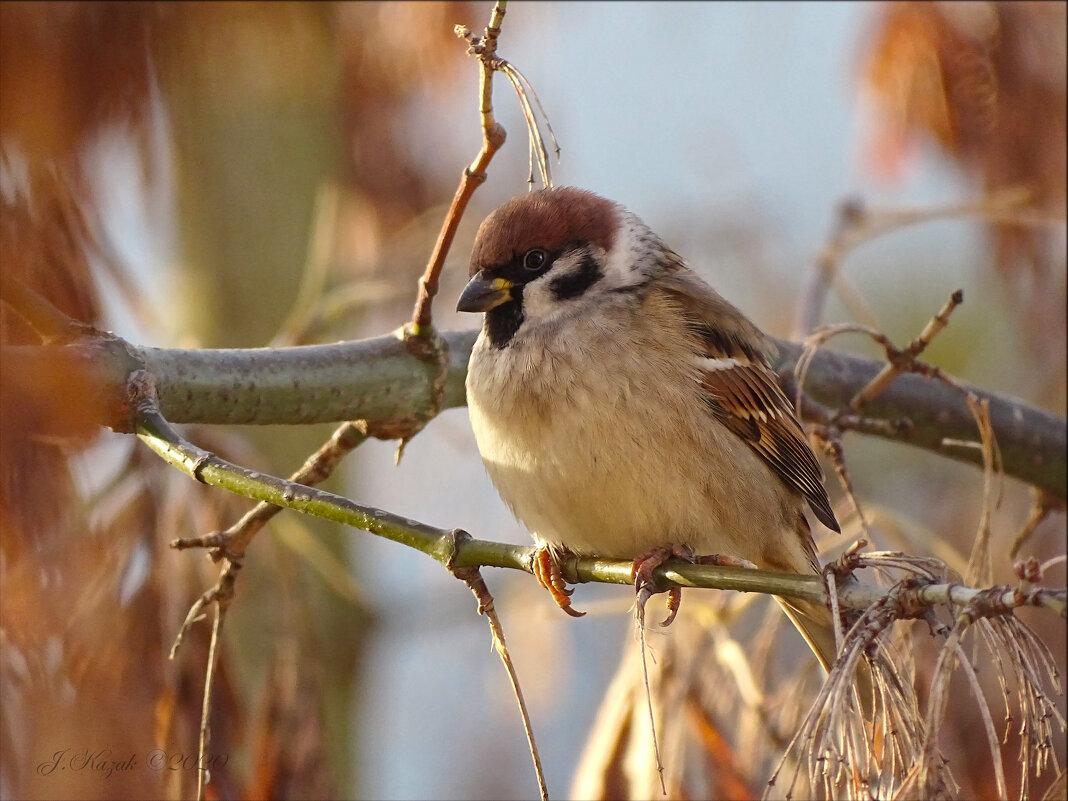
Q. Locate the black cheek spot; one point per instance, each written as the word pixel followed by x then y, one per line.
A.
pixel 576 283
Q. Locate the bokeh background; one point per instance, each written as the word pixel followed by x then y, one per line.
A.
pixel 233 175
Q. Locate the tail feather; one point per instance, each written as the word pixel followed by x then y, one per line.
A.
pixel 815 624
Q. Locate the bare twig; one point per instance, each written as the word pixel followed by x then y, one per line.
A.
pixel 988 722
pixel 419 335
pixel 232 542
pixel 473 578
pixel 1043 505
pixel 484 48
pixel 639 612
pixel 980 568
pixel 857 225
pixel 493 136
pixel 205 710
pixel 830 435
pixel 219 596
pixel 898 361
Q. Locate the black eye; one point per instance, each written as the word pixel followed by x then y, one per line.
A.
pixel 535 259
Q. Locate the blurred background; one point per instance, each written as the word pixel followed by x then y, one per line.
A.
pixel 245 174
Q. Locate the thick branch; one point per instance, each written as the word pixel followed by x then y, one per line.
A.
pixel 381 381
pixel 932 415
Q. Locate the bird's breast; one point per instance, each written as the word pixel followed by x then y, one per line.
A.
pixel 615 461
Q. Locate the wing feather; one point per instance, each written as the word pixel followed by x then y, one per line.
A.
pixel 743 391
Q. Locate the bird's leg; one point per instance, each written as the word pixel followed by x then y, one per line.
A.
pixel 547 572
pixel 646 585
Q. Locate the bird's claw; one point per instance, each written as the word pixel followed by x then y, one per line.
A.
pixel 646 585
pixel 547 572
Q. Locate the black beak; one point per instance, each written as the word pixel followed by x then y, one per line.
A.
pixel 483 293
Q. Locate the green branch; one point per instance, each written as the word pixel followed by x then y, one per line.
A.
pixel 456 549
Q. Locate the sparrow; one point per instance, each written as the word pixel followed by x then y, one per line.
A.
pixel 624 409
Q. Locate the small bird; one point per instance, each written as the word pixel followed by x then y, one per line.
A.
pixel 624 409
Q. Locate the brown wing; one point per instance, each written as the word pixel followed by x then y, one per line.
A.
pixel 743 392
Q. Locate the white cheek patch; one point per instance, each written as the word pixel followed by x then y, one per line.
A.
pixel 569 279
pixel 539 300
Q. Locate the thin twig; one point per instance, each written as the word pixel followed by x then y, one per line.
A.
pixel 857 225
pixel 229 546
pixel 988 722
pixel 639 612
pixel 205 710
pixel 477 585
pixel 419 335
pixel 218 595
pixel 899 361
pixel 831 437
pixel 1040 510
pixel 232 542
pixel 980 568
pixel 493 136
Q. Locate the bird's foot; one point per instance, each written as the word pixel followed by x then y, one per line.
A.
pixel 646 585
pixel 547 572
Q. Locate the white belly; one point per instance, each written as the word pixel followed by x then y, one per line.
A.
pixel 618 467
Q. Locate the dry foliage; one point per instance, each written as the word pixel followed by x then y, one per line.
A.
pixel 986 81
pixel 90 599
pixel 90 608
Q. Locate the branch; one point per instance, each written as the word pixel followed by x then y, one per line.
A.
pixel 381 381
pixel 493 136
pixel 459 551
pixel 208 468
pixel 932 415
